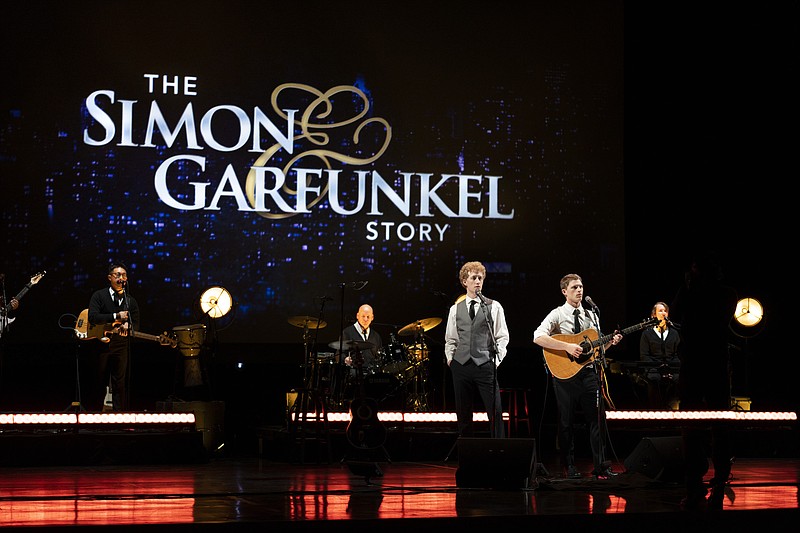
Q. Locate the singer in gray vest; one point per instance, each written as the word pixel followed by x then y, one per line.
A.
pixel 476 340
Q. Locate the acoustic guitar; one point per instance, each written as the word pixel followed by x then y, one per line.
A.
pixel 365 429
pixel 564 366
pixel 103 332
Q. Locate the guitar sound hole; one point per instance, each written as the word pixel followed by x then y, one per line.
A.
pixel 364 412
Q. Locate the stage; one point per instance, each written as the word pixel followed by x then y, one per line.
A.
pixel 247 492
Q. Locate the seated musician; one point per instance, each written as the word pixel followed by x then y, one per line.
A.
pixel 360 331
pixel 659 346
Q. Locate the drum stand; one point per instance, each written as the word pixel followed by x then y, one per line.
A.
pixel 417 396
pixel 310 407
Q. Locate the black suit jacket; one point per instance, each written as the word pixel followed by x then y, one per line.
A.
pixel 371 356
pixel 102 308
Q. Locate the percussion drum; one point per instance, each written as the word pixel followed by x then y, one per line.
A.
pixel 393 358
pixel 190 342
pixel 387 390
pixel 190 339
pixel 324 372
pixel 417 353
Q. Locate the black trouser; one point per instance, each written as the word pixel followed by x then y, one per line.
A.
pixel 582 390
pixel 113 364
pixel 467 379
pixel 705 388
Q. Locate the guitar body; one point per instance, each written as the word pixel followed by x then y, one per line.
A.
pixel 365 429
pixel 561 364
pixel 103 332
pixel 564 366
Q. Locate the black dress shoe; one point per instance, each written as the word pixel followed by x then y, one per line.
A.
pixel 605 474
pixel 572 473
pixel 716 497
pixel 694 503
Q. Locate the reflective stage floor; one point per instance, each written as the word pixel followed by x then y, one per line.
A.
pixel 354 494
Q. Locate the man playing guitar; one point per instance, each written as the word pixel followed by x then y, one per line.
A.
pixel 114 305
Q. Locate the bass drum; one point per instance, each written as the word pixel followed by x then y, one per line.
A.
pixel 388 390
pixel 394 358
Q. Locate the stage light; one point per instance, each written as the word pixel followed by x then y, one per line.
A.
pixel 216 302
pixel 749 312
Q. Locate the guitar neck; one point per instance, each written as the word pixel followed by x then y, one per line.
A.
pixel 145 336
pixel 24 291
pixel 34 280
pixel 6 308
pixel 627 331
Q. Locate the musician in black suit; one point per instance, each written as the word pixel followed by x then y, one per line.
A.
pixel 659 345
pixel 362 331
pixel 113 305
pixel 704 307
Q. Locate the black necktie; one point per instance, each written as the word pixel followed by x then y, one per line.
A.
pixel 472 309
pixel 577 326
pixel 364 333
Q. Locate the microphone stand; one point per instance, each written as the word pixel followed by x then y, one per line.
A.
pixel 492 357
pixel 313 359
pixel 601 426
pixel 6 307
pixel 126 307
pixel 341 370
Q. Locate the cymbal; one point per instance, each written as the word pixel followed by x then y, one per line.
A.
pixel 361 345
pixel 420 325
pixel 306 322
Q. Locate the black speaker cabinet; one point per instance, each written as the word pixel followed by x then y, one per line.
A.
pixel 659 458
pixel 209 419
pixel 495 463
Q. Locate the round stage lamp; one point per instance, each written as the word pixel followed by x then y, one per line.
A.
pixel 749 312
pixel 216 302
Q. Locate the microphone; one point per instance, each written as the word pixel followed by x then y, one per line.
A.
pixel 480 296
pixel 672 324
pixel 588 300
pixel 124 283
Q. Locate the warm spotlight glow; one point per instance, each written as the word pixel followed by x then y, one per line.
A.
pixel 749 312
pixel 216 302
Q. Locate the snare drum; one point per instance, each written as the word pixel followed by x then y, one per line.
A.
pixel 394 358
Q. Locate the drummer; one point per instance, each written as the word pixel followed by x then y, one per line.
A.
pixel 361 331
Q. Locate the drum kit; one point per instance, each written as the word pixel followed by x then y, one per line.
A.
pixel 397 376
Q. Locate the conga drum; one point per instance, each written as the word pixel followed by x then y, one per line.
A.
pixel 190 342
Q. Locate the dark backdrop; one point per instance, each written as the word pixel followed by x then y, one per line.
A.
pixel 533 94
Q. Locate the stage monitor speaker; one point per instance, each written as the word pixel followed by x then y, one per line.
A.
pixel 659 458
pixel 495 463
pixel 209 419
